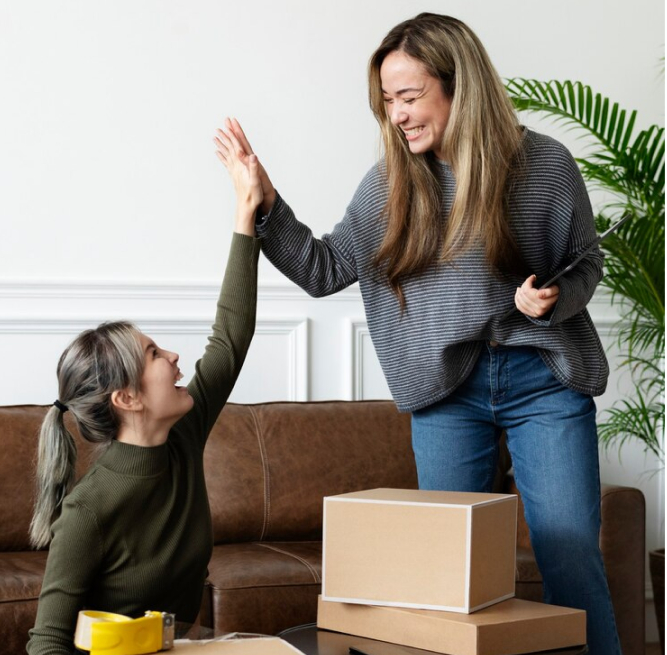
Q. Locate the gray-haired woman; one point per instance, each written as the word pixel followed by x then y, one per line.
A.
pixel 445 235
pixel 134 534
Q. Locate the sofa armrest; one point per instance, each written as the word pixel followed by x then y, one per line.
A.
pixel 622 541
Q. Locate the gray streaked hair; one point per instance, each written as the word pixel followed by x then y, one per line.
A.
pixel 97 363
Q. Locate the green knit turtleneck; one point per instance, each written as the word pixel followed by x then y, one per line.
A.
pixel 135 533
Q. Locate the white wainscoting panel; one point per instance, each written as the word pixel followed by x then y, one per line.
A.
pixel 365 377
pixel 276 366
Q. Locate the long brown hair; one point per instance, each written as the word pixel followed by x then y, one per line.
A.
pixel 481 143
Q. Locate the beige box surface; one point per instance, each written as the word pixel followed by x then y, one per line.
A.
pixel 254 646
pixel 421 549
pixel 508 628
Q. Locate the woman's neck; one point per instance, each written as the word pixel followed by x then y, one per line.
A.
pixel 143 434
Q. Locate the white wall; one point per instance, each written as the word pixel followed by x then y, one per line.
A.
pixel 112 203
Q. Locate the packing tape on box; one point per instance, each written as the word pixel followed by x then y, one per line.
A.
pixel 105 633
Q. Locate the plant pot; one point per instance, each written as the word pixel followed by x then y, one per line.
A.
pixel 656 559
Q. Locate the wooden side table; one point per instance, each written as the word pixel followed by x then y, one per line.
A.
pixel 311 641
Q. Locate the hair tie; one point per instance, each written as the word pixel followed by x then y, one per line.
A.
pixel 60 406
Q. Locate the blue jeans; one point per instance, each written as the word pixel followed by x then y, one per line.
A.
pixel 552 437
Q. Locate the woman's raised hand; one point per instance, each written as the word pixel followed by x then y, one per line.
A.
pixel 233 126
pixel 243 168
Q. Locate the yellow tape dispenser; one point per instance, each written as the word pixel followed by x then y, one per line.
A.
pixel 104 633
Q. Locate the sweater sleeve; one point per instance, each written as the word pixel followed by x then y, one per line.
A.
pixel 578 285
pixel 319 266
pixel 74 559
pixel 216 372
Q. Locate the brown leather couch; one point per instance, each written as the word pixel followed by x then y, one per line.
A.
pixel 268 467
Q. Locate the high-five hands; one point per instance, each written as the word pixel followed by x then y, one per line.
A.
pixel 234 127
pixel 535 302
pixel 244 170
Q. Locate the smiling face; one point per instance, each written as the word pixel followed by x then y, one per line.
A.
pixel 163 401
pixel 415 101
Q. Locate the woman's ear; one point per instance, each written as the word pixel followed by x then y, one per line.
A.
pixel 125 400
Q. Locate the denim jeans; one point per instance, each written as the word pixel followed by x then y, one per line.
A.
pixel 552 437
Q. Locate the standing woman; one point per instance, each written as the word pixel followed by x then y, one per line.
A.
pixel 134 534
pixel 453 228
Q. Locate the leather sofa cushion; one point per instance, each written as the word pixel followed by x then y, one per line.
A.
pixel 526 566
pixel 263 587
pixel 265 564
pixel 21 575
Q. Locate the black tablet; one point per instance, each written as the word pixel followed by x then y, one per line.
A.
pixel 586 250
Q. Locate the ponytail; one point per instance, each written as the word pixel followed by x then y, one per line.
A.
pixel 97 363
pixel 55 475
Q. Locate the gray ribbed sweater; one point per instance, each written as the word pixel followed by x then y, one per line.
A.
pixel 427 351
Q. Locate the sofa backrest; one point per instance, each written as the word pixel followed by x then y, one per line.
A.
pixel 19 432
pixel 267 466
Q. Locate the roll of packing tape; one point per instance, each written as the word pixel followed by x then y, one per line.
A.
pixel 115 634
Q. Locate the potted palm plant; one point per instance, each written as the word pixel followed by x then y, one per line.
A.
pixel 630 166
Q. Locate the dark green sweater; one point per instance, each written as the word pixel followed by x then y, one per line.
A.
pixel 135 533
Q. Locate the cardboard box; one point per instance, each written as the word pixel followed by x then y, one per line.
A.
pixel 421 549
pixel 246 646
pixel 508 628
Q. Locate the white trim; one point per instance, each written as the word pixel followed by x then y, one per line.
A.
pixel 600 306
pixel 324 547
pixel 74 325
pixel 296 329
pixel 386 603
pixel 423 503
pixel 152 290
pixel 356 332
pixel 468 564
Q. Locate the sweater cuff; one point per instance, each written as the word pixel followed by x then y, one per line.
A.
pixel 244 244
pixel 263 222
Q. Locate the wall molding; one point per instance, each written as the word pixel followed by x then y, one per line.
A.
pixel 196 290
pixel 146 290
pixel 357 332
pixel 296 330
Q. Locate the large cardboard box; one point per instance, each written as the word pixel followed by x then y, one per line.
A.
pixel 508 628
pixel 421 549
pixel 252 646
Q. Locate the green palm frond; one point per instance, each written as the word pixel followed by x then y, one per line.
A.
pixel 576 103
pixel 634 419
pixel 631 167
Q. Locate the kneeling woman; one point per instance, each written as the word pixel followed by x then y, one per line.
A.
pixel 135 533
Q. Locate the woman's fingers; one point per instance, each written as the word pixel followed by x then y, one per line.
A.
pixel 221 150
pixel 228 144
pixel 253 169
pixel 222 140
pixel 236 128
pixel 238 148
pixel 221 157
pixel 535 302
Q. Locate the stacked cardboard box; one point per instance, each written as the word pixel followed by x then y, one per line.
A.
pixel 411 567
